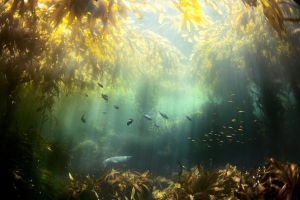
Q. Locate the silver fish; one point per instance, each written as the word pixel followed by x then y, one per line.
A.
pixel 147 117
pixel 117 159
pixel 163 115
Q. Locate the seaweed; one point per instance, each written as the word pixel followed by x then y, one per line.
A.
pixel 272 181
pixel 112 184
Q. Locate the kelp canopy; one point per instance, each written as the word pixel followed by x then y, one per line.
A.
pixel 57 46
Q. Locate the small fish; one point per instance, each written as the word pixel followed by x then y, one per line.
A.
pixel 156 125
pixel 163 115
pixel 86 95
pixel 104 96
pixel 83 119
pixel 116 107
pixel 100 85
pixel 188 118
pixel 241 112
pixel 129 122
pixel 104 112
pixel 147 117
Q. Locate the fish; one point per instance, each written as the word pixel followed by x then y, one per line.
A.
pixel 117 159
pixel 163 115
pixel 147 117
pixel 86 95
pixel 188 118
pixel 156 125
pixel 100 85
pixel 116 107
pixel 104 96
pixel 104 112
pixel 129 122
pixel 83 119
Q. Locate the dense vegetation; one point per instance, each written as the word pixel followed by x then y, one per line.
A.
pixel 245 55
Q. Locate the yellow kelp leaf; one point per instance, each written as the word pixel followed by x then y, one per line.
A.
pixel 188 25
pixel 219 12
pixel 122 9
pixel 132 193
pixel 291 10
pixel 273 21
pixel 136 12
pixel 71 177
pixel 175 6
pixel 274 15
pixel 182 22
pixel 71 17
pixel 161 16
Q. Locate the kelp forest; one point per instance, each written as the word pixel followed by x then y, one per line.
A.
pixel 150 99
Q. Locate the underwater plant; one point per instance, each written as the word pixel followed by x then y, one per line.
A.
pixel 271 181
pixel 112 184
pixel 274 180
pixel 197 184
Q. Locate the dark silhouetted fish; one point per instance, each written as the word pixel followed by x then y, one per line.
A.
pixel 156 125
pixel 129 122
pixel 117 159
pixel 104 112
pixel 104 96
pixel 188 118
pixel 100 85
pixel 147 117
pixel 83 119
pixel 116 107
pixel 163 115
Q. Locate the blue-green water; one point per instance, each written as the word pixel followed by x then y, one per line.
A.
pixel 229 87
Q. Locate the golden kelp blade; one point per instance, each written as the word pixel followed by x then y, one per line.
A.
pixel 191 12
pixel 132 193
pixel 136 12
pixel 161 16
pixel 71 177
pixel 122 9
pixel 274 15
